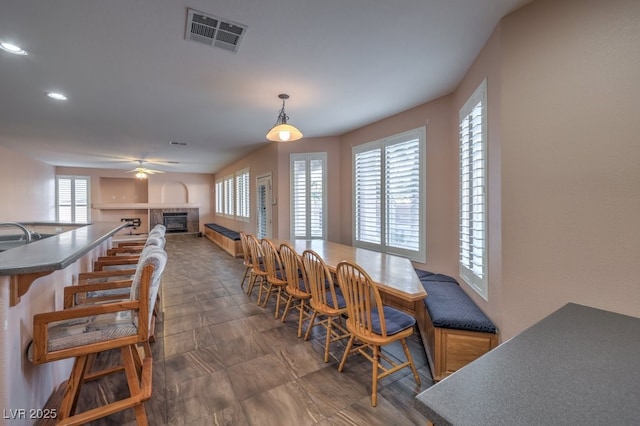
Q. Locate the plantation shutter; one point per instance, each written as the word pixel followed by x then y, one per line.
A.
pixel 308 196
pixel 368 195
pixel 219 197
pixel 402 187
pixel 262 211
pixel 65 213
pixel 473 193
pixel 242 194
pixel 72 199
pixel 228 195
pixel 81 197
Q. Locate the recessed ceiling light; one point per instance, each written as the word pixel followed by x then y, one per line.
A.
pixel 57 96
pixel 12 48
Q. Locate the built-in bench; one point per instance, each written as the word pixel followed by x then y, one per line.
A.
pixel 453 328
pixel 227 239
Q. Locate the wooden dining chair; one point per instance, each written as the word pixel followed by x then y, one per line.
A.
pixel 297 286
pixel 275 281
pixel 373 324
pixel 258 272
pixel 246 257
pixel 85 331
pixel 326 300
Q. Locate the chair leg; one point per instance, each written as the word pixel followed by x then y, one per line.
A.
pixel 286 310
pixel 244 277
pixel 301 319
pixel 252 283
pixel 313 319
pixel 134 376
pixel 374 381
pixel 72 389
pixel 328 339
pixel 410 359
pixel 278 296
pixel 346 353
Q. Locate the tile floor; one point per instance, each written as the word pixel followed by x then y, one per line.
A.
pixel 221 360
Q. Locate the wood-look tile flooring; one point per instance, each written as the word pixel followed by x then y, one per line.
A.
pixel 221 360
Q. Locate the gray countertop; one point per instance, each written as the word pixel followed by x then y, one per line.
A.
pixel 56 252
pixel 578 366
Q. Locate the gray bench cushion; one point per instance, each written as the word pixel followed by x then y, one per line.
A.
pixel 450 307
pixel 232 235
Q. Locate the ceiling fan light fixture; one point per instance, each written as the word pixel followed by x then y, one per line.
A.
pixel 141 175
pixel 283 131
pixel 13 48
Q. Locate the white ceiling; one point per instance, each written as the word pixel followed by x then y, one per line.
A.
pixel 134 83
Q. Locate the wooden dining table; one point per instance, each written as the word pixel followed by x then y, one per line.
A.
pixel 394 275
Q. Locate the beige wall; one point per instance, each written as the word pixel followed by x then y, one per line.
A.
pixel 564 158
pixel 157 188
pixel 486 66
pixel 274 158
pixel 441 177
pixel 27 188
pixel 334 184
pixel 262 161
pixel 570 158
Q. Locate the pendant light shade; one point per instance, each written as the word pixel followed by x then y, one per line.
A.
pixel 282 131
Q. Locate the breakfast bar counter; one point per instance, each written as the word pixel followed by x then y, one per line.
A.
pixel 28 262
pixel 32 280
pixel 578 366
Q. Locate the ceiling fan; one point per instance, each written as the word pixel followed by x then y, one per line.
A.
pixel 142 172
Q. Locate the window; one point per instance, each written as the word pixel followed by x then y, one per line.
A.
pixel 242 195
pixel 72 199
pixel 228 195
pixel 219 198
pixel 308 196
pixel 473 191
pixel 388 181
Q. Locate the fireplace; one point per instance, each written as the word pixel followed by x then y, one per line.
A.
pixel 175 221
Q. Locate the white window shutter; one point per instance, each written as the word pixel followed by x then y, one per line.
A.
pixel 473 192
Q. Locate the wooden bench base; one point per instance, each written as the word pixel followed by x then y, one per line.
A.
pixel 234 248
pixel 448 349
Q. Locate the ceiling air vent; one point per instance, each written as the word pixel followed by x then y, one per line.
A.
pixel 214 31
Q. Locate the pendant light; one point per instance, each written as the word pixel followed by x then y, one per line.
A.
pixel 282 131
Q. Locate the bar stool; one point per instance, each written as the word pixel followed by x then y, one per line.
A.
pixel 83 332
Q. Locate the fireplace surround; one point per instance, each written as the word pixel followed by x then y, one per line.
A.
pixel 175 221
pixel 177 216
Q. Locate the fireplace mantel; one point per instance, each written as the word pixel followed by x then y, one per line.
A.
pixel 136 206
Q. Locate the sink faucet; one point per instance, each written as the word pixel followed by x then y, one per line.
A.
pixel 24 229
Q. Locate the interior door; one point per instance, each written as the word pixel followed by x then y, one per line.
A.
pixel 263 214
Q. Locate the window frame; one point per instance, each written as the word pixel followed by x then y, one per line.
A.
pixel 307 157
pixel 73 204
pixel 477 203
pixel 420 254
